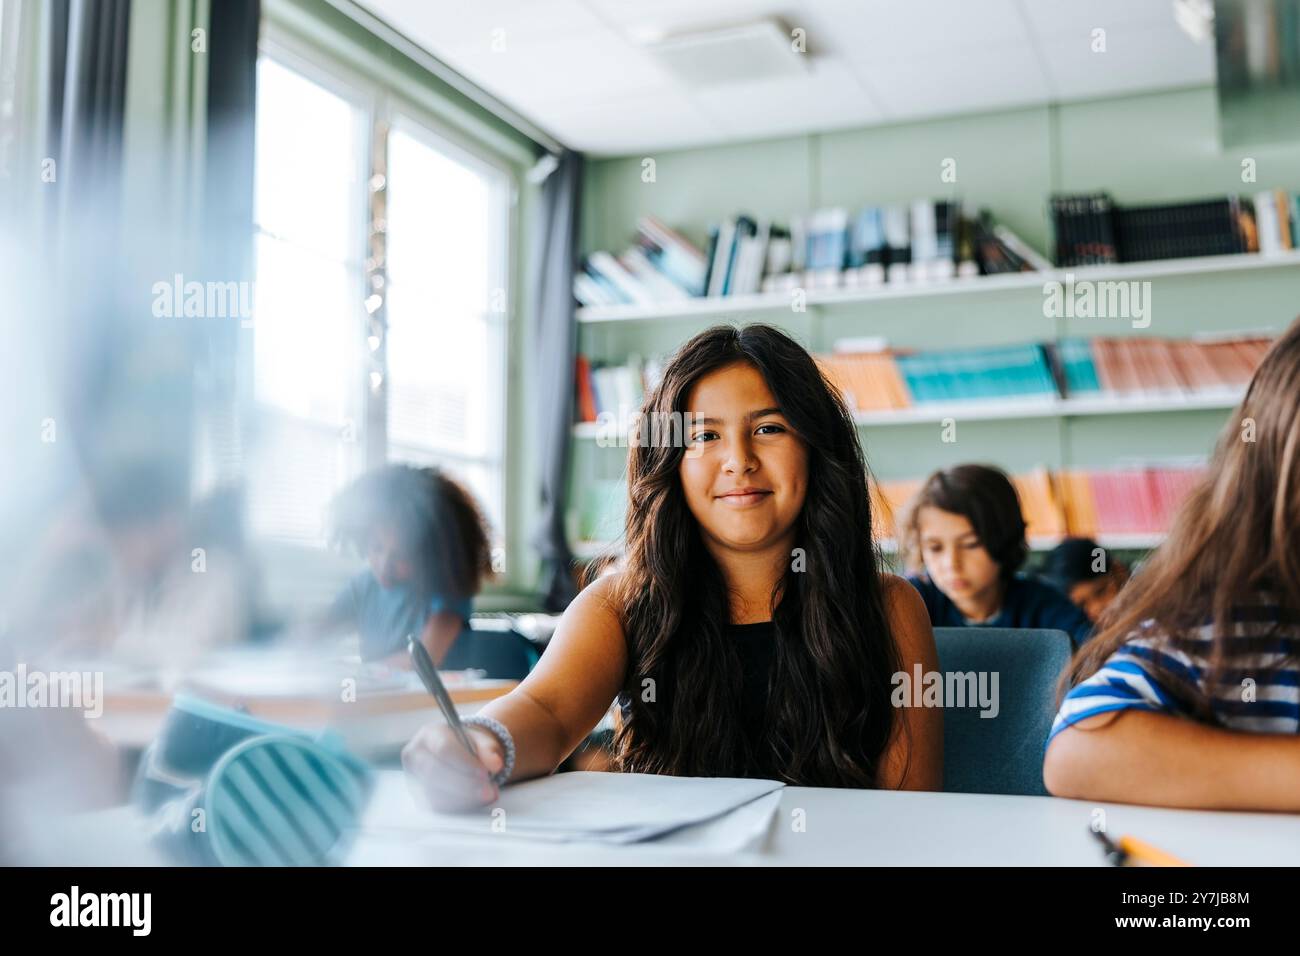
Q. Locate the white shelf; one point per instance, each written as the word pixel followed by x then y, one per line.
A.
pixel 587 430
pixel 780 301
pixel 1114 542
pixel 586 550
pixel 1051 408
pixel 1010 409
pixel 1131 542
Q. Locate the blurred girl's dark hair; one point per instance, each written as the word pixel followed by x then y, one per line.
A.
pixel 438 521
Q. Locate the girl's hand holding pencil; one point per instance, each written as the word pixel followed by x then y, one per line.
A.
pixel 443 773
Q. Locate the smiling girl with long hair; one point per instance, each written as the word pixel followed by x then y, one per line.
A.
pixel 750 630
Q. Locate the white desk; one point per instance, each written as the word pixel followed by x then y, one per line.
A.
pixel 886 828
pixel 843 827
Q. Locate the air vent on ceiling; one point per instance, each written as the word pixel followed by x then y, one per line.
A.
pixel 754 51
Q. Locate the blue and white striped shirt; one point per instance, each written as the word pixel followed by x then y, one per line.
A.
pixel 1258 688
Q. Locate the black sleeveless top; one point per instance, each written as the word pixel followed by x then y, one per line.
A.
pixel 756 646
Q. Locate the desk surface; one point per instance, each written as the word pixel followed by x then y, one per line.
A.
pixel 888 828
pixel 375 720
pixel 843 827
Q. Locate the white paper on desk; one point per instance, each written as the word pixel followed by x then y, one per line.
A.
pixel 591 806
pixel 743 830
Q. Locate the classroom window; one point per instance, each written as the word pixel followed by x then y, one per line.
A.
pixel 309 212
pixel 447 254
pixel 447 259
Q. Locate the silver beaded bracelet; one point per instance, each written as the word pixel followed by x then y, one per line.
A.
pixel 498 730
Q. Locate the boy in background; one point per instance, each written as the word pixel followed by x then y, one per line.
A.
pixel 1084 572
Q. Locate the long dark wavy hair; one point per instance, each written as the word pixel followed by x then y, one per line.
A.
pixel 829 715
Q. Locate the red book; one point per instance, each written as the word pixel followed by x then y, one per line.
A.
pixel 1103 357
pixel 1162 492
pixel 586 397
pixel 1198 371
pixel 1154 513
pixel 1103 496
pixel 1250 352
pixel 1228 363
pixel 1133 501
pixel 1168 374
pixel 1182 482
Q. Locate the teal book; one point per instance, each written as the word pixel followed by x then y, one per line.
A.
pixel 984 374
pixel 951 375
pixel 1007 371
pixel 1011 379
pixel 913 369
pixel 1077 363
pixel 973 369
pixel 1027 371
pixel 1046 382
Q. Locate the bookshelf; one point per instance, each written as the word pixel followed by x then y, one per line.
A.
pixel 776 302
pixel 1142 149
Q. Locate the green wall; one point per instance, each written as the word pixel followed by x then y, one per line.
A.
pixel 1161 146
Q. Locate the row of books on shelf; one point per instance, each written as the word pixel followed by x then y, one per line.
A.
pixel 606 389
pixel 1092 229
pixel 1077 502
pixel 913 242
pixel 879 379
pixel 872 377
pixel 924 240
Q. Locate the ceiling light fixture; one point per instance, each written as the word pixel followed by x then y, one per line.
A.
pixel 1196 17
pixel 734 54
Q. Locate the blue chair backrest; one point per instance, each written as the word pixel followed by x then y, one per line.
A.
pixel 505 655
pixel 1004 753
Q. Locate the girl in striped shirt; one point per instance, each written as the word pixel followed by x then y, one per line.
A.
pixel 1189 695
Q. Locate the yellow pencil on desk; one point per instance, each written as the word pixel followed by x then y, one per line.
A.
pixel 1130 851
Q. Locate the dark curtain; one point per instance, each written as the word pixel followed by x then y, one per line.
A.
pixel 555 333
pixel 87 100
pixel 232 98
pixel 228 254
pixel 85 113
pixel 136 387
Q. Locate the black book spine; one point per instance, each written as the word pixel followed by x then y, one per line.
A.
pixel 708 257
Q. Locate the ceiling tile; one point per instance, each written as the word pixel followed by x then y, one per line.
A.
pixel 1134 59
pixel 829 96
pixel 629 125
pixel 1050 19
pixel 451 24
pixel 580 64
pixel 540 71
pixel 671 16
pixel 866 30
pixel 980 78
